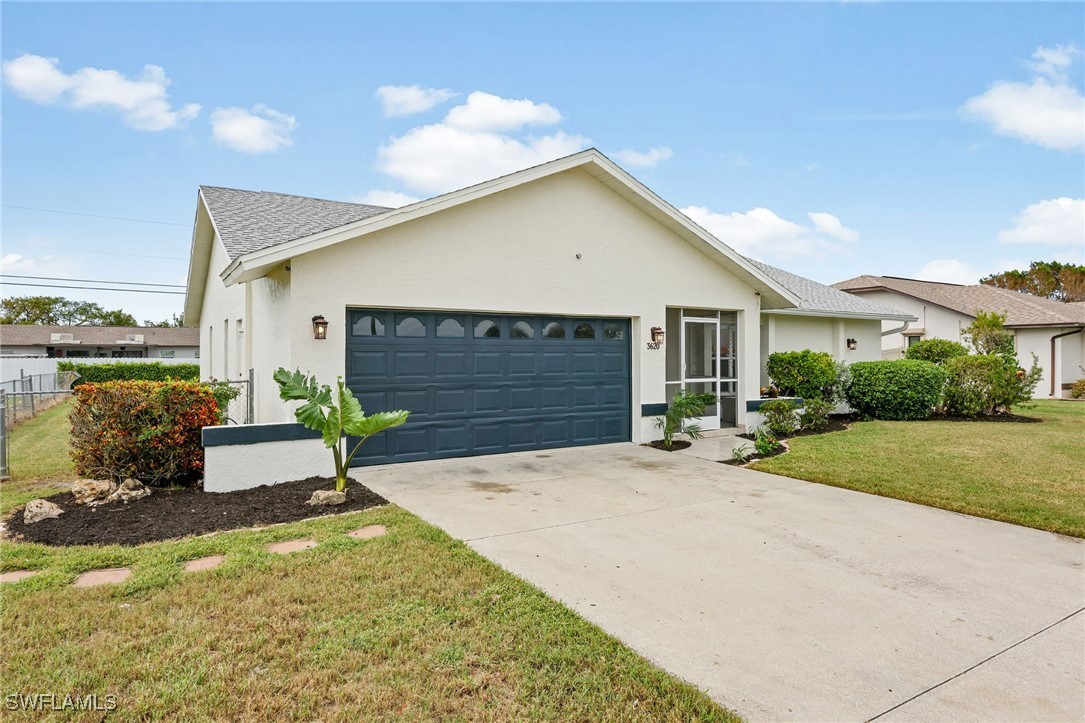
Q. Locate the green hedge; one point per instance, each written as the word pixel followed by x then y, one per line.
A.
pixel 936 351
pixel 803 373
pixel 131 371
pixel 900 389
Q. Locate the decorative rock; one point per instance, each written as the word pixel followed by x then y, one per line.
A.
pixel 366 533
pixel 106 576
pixel 204 563
pixel 38 510
pixel 285 548
pixel 327 497
pixel 91 490
pixel 17 575
pixel 129 490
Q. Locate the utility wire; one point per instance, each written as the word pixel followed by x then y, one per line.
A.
pixel 91 288
pixel 96 215
pixel 89 281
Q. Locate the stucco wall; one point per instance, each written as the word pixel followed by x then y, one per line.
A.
pixel 270 325
pixel 1068 355
pixel 516 251
pixel 219 339
pixel 784 332
pixel 935 321
pixel 239 467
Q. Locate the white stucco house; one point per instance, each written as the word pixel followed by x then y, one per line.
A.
pixel 1051 330
pixel 560 305
pixel 98 342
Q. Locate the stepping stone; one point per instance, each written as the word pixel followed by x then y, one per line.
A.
pixel 366 533
pixel 17 575
pixel 204 563
pixel 285 548
pixel 107 576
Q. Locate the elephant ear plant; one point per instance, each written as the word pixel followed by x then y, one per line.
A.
pixel 334 413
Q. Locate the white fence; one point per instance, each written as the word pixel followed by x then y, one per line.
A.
pixel 18 367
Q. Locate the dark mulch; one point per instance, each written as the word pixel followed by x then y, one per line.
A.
pixel 675 445
pixel 837 423
pixel 1014 418
pixel 171 513
pixel 753 457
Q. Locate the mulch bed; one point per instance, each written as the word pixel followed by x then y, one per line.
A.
pixel 1015 418
pixel 676 445
pixel 171 513
pixel 754 457
pixel 837 423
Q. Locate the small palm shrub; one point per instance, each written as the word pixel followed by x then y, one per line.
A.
pixel 684 406
pixel 901 389
pixel 936 351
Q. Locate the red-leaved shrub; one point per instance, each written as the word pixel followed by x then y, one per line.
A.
pixel 149 431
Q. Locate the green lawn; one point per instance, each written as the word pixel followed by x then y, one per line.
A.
pixel 1028 474
pixel 38 459
pixel 412 625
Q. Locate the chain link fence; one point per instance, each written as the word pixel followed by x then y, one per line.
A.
pixel 240 409
pixel 33 393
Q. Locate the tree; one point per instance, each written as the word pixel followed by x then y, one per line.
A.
pixel 988 335
pixel 1049 279
pixel 174 321
pixel 58 311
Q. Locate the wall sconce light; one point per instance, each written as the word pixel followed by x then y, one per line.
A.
pixel 320 327
pixel 852 344
pixel 657 338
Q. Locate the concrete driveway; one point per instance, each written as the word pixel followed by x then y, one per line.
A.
pixel 784 600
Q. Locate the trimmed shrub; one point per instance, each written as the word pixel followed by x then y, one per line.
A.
pixel 1077 391
pixel 901 389
pixel 780 416
pixel 936 351
pixel 131 371
pixel 987 384
pixel 149 431
pixel 815 415
pixel 802 373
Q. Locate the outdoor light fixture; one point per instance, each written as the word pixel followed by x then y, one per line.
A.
pixel 852 345
pixel 320 327
pixel 657 338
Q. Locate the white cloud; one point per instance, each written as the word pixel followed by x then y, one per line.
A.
pixel 142 101
pixel 648 159
pixel 487 112
pixel 950 271
pixel 1047 111
pixel 1055 222
pixel 475 142
pixel 1055 61
pixel 391 199
pixel 400 100
pixel 12 263
pixel 262 130
pixel 761 233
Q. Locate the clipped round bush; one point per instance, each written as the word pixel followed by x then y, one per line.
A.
pixel 936 351
pixel 780 416
pixel 802 373
pixel 901 389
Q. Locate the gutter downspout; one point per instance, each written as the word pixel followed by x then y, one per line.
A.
pixel 1053 339
pixel 901 329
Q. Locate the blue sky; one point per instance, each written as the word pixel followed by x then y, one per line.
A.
pixel 936 140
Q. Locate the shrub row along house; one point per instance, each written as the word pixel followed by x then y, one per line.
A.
pixel 1052 330
pixel 561 305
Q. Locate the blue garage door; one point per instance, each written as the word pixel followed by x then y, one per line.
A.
pixel 487 383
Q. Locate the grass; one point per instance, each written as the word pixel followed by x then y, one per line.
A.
pixel 38 458
pixel 412 625
pixel 1027 474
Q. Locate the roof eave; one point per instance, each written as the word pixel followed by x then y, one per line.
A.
pixel 875 316
pixel 199 261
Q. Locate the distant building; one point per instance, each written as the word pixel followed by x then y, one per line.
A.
pixel 116 342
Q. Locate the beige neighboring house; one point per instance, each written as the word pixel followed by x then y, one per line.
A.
pixel 117 342
pixel 1052 330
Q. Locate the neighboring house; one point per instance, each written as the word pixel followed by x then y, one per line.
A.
pixel 1052 330
pixel 28 340
pixel 557 306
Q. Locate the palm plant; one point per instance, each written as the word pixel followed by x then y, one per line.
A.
pixel 334 413
pixel 684 406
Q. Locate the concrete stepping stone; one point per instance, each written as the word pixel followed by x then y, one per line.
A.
pixel 367 533
pixel 106 576
pixel 204 563
pixel 17 575
pixel 285 548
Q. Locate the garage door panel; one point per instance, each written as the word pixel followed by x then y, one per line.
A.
pixel 486 383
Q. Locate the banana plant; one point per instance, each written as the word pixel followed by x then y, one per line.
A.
pixel 335 413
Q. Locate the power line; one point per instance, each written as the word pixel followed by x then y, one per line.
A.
pixel 92 288
pixel 89 281
pixel 96 215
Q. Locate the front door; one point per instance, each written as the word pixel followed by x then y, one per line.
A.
pixel 701 363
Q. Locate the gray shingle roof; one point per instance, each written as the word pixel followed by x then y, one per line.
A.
pixel 1021 309
pixel 33 335
pixel 817 297
pixel 249 221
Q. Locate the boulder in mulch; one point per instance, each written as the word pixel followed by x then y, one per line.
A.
pixel 88 491
pixel 38 510
pixel 327 497
pixel 129 490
